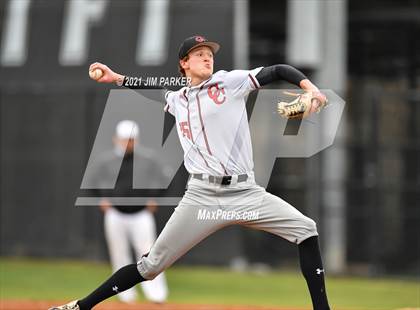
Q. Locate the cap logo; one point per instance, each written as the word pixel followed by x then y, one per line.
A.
pixel 200 39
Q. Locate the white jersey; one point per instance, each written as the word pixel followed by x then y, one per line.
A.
pixel 212 123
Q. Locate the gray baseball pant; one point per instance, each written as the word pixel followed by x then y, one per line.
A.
pixel 207 207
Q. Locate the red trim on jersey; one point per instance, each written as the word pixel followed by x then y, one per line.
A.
pixel 253 81
pixel 223 166
pixel 183 97
pixel 192 140
pixel 201 120
pixel 202 124
pixel 205 161
pixel 189 123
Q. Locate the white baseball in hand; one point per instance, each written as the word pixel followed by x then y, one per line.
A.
pixel 96 74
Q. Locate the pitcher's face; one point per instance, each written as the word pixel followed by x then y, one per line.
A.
pixel 199 63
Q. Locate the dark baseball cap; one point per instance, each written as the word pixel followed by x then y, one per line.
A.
pixel 196 41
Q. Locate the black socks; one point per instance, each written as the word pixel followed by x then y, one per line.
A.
pixel 122 280
pixel 313 271
pixel 310 263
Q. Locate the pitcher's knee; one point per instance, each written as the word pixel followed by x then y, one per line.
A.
pixel 149 269
pixel 307 229
pixel 311 225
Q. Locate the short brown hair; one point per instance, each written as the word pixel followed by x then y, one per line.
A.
pixel 180 69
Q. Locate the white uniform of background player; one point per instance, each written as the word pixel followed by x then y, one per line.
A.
pixel 135 229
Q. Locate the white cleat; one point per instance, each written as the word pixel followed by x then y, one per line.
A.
pixel 70 306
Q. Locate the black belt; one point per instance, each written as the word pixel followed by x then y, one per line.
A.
pixel 223 180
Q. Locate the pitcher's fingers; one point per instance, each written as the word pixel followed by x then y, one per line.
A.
pixel 95 65
pixel 92 66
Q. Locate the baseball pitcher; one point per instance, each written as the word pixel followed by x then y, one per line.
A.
pixel 212 126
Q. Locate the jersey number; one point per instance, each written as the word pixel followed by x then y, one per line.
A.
pixel 185 129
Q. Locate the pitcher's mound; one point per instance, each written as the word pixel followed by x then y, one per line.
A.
pixel 44 305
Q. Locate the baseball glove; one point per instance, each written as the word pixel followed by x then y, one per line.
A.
pixel 301 107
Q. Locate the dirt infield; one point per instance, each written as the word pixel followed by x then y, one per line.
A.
pixel 44 305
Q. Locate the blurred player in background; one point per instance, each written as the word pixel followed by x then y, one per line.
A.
pixel 128 226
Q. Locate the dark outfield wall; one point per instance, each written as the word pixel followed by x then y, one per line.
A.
pixel 50 112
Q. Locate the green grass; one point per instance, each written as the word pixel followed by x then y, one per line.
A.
pixel 52 280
